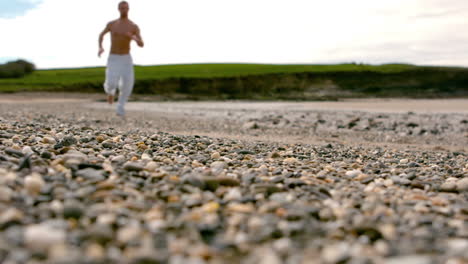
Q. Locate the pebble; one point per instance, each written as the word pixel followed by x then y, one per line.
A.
pixel 412 259
pixel 5 194
pixel 462 185
pixel 118 159
pixel 34 183
pixel 42 236
pixel 49 140
pixel 215 155
pixel 353 173
pixel 218 167
pixel 151 166
pixel 91 174
pixel 234 194
pixel 133 166
pixel 336 253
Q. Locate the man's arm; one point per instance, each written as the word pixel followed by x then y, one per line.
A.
pixel 137 37
pixel 101 38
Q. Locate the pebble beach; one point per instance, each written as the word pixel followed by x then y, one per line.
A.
pixel 233 182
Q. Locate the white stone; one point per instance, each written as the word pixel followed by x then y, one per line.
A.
pixel 5 194
pixel 146 156
pixel 42 236
pixel 409 260
pixel 151 166
pixel 128 233
pixel 353 173
pixel 336 253
pixel 215 155
pixel 269 256
pixel 462 185
pixel 233 194
pixel 11 214
pixel 118 159
pixel 34 183
pixel 218 166
pixel 27 150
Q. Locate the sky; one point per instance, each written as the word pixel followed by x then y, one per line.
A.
pixel 64 33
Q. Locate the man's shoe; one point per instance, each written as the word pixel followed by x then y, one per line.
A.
pixel 110 99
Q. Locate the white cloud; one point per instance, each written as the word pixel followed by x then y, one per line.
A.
pixel 63 33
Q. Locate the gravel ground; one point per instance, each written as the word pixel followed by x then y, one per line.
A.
pixel 233 182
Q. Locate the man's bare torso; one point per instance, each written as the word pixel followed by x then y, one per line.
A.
pixel 121 32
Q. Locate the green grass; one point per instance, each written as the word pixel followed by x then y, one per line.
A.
pixel 59 79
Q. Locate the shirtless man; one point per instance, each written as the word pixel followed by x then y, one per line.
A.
pixel 119 72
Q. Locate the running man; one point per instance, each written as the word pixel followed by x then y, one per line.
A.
pixel 119 72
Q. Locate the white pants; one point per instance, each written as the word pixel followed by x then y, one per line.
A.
pixel 119 75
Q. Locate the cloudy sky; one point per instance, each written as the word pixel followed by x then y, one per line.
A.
pixel 64 33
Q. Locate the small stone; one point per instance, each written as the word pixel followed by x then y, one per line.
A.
pixel 101 234
pixel 42 236
pixel 215 155
pixel 353 173
pixel 268 256
pixel 128 233
pixel 250 125
pixel 49 140
pixel 462 185
pixel 265 188
pixel 337 253
pixel 151 166
pixel 91 174
pixel 27 150
pixel 5 194
pixel 46 155
pixel 14 152
pixel 404 161
pixel 210 207
pixel 34 183
pixel 275 155
pixel 209 183
pixel 283 245
pixel 290 160
pixel 133 166
pixel 72 212
pixel 118 159
pixel 95 251
pixel 10 215
pixel 100 138
pixel 234 194
pixel 449 186
pixel 228 181
pixel 240 208
pixel 218 167
pixel 416 259
pixel 68 141
pixel 146 157
pixel 108 144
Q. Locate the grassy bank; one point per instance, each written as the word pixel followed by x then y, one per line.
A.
pixel 258 81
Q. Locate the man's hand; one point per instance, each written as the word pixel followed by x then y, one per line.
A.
pixel 136 37
pixel 130 35
pixel 101 50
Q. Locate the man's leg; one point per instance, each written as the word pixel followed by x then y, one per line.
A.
pixel 112 79
pixel 126 86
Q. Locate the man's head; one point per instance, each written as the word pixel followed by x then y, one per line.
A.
pixel 123 9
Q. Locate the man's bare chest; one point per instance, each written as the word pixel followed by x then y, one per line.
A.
pixel 122 29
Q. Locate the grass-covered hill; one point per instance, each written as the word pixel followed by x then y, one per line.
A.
pixel 260 81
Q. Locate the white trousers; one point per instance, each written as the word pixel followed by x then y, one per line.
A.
pixel 119 75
